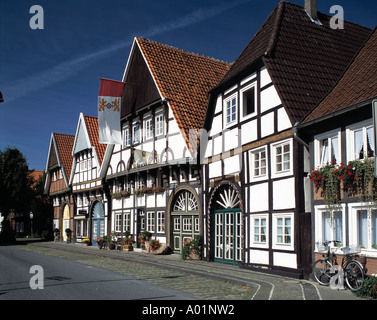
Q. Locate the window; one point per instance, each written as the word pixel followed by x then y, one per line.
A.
pixel 281 158
pixel 159 124
pixel 136 133
pixel 150 221
pixel 161 221
pixel 363 226
pixel 327 148
pixel 259 162
pixel 148 129
pixel 126 137
pixel 360 143
pixel 248 101
pixel 118 222
pixel 260 230
pixel 284 230
pixel 332 226
pixel 126 222
pixel 230 110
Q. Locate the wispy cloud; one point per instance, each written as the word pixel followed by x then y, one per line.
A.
pixel 62 71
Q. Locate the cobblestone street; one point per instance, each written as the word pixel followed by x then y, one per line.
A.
pixel 204 280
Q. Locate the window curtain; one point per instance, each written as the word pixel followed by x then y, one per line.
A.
pixel 363 227
pixel 370 142
pixel 338 226
pixel 359 152
pixel 326 228
pixel 324 152
pixel 374 228
pixel 335 150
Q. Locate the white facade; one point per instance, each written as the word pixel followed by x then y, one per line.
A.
pixel 251 146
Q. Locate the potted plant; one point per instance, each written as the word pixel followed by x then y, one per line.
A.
pixel 154 245
pixel 192 248
pixel 127 242
pixel 86 241
pixel 144 237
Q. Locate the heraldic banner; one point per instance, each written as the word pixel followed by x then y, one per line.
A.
pixel 109 98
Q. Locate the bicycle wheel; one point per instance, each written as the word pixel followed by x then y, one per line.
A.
pixel 321 271
pixel 354 275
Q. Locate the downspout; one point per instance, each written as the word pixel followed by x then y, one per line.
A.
pixel 295 135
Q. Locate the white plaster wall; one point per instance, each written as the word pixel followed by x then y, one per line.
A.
pixel 269 99
pixel 283 120
pixel 214 169
pixel 284 194
pixel 259 256
pixel 288 260
pixel 230 139
pixel 249 132
pixel 232 165
pixel 264 77
pixel 258 195
pixel 267 124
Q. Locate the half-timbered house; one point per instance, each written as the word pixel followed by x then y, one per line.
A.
pixel 90 160
pixel 153 176
pixel 254 211
pixel 58 174
pixel 340 134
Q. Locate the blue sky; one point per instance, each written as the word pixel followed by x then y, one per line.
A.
pixel 49 76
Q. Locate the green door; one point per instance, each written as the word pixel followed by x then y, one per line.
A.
pixel 184 219
pixel 227 235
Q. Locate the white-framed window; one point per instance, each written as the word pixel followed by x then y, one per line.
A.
pixel 248 103
pixel 283 231
pixel 258 163
pixel 150 221
pixel 330 225
pixel 148 128
pixel 159 124
pixel 118 222
pixel 327 148
pixel 259 230
pixel 281 158
pixel 230 110
pixel 126 136
pixel 136 133
pixel 160 221
pixel 360 141
pixel 126 221
pixel 363 227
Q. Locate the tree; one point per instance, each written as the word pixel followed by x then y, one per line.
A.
pixel 15 191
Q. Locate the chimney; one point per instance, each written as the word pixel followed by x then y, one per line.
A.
pixel 311 8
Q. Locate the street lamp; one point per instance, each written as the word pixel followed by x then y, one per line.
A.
pixel 31 214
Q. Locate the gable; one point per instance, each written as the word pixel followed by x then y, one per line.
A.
pixel 304 59
pixel 82 140
pixel 140 89
pixel 53 158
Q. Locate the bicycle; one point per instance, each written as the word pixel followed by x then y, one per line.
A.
pixel 327 271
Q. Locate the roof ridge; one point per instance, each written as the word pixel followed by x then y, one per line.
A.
pixel 182 50
pixel 275 31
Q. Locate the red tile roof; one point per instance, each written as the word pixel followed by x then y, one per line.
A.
pixel 304 59
pixel 358 83
pixel 64 145
pixel 185 79
pixel 92 128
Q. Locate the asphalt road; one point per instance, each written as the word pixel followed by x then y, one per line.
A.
pixel 58 279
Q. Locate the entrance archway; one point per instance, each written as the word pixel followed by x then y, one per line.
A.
pixel 228 225
pixel 184 218
pixel 98 222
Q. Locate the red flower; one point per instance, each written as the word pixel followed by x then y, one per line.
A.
pixel 350 173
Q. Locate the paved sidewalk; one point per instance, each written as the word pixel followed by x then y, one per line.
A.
pixel 264 286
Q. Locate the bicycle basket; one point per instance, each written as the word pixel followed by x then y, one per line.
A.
pixel 320 247
pixel 351 249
